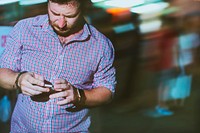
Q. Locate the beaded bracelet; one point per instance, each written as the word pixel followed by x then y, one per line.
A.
pixel 17 79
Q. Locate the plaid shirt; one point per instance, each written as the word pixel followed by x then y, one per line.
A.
pixel 86 62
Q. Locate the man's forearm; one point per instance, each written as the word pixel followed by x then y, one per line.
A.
pixel 96 97
pixel 7 78
pixel 89 98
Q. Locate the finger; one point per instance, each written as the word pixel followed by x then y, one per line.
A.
pixel 26 93
pixel 65 101
pixel 35 87
pixel 60 81
pixel 59 95
pixel 61 86
pixel 39 77
pixel 30 91
pixel 35 81
pixel 41 89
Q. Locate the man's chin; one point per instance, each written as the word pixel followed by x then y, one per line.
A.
pixel 62 33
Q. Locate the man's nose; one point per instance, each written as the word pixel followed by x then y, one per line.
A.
pixel 61 22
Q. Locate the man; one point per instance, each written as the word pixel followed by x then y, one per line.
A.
pixel 62 66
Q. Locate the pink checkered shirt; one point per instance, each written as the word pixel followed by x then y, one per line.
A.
pixel 86 62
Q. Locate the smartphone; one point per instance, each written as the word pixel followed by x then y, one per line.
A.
pixel 48 84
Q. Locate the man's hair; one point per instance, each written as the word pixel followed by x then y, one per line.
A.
pixel 81 2
pixel 66 1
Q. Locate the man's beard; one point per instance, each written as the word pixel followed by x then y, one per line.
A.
pixel 67 30
pixel 61 32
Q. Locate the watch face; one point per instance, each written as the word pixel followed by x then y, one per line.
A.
pixel 79 95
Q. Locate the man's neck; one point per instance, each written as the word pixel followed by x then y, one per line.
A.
pixel 66 39
pixel 78 30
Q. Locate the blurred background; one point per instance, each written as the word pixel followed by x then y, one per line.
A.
pixel 157 58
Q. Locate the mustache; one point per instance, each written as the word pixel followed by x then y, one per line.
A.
pixel 61 29
pixel 55 26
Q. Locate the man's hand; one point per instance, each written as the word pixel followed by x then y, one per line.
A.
pixel 32 84
pixel 65 91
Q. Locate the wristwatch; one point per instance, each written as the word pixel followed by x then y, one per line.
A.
pixel 78 95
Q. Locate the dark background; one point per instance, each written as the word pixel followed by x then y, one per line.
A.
pixel 135 91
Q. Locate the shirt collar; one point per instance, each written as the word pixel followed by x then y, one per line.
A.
pixel 41 21
pixel 85 34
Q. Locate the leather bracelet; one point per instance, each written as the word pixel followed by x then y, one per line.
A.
pixel 17 79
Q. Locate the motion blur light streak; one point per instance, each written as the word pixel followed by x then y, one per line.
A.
pixel 151 26
pixel 150 8
pixel 3 2
pixel 95 1
pixel 124 4
pixel 31 2
pixel 119 14
pixel 124 28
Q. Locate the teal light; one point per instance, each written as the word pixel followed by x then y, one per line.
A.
pixel 150 8
pixel 117 3
pixel 151 1
pixel 3 2
pixel 123 28
pixel 124 3
pixel 95 1
pixel 4 31
pixel 31 2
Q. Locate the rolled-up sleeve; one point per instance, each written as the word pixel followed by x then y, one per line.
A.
pixel 105 75
pixel 11 55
